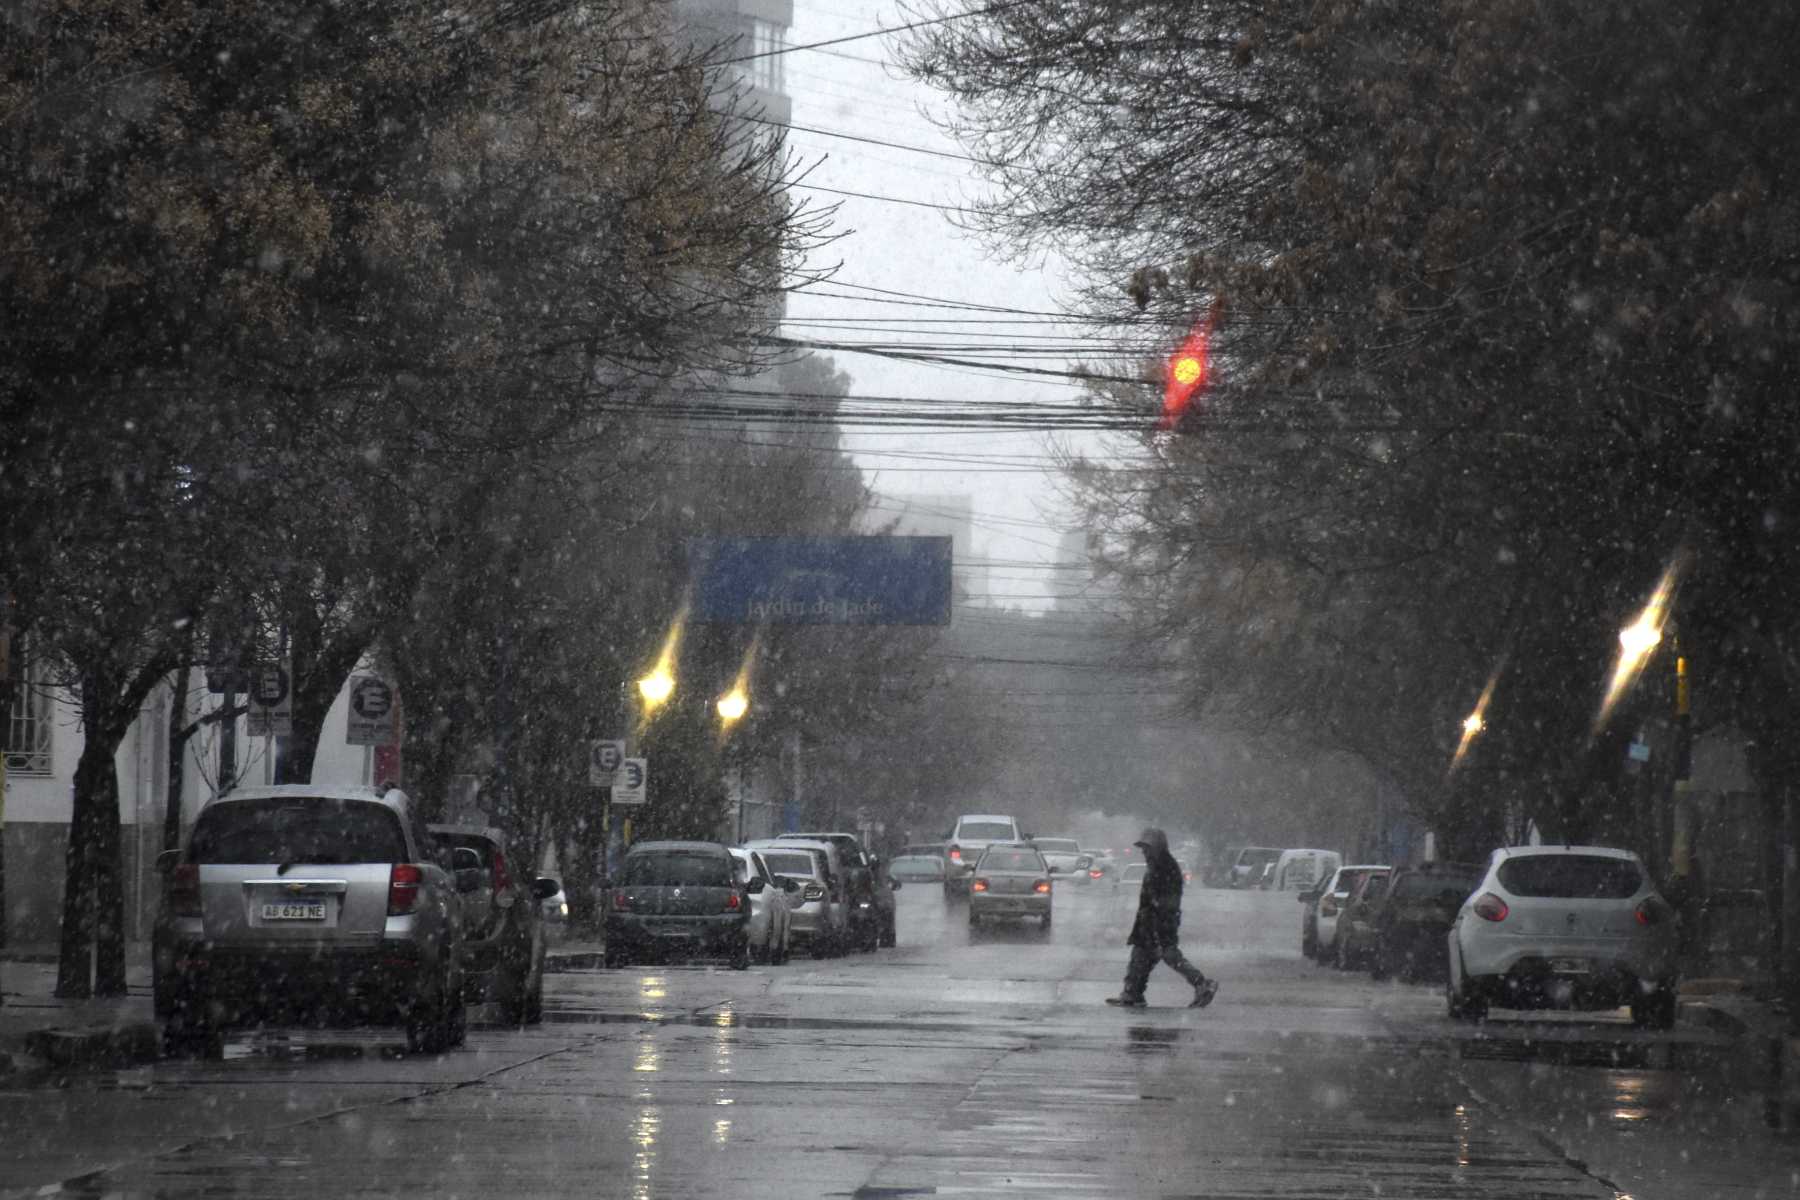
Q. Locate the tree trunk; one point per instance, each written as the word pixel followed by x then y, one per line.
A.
pixel 320 665
pixel 91 959
pixel 179 733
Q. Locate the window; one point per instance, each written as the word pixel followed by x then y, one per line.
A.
pixel 1571 877
pixel 28 725
pixel 764 38
pixel 677 868
pixel 297 829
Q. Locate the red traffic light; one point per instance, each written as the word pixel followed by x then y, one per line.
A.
pixel 1186 377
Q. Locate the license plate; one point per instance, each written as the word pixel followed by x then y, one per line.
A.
pixel 294 910
pixel 1569 966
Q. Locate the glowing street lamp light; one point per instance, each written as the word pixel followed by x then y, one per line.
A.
pixel 1640 638
pixel 733 704
pixel 1473 724
pixel 657 686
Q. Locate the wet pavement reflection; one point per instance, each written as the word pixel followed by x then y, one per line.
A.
pixel 957 1064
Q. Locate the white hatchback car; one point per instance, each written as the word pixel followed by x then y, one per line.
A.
pixel 1564 927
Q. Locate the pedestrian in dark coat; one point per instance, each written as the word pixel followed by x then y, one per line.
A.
pixel 1156 932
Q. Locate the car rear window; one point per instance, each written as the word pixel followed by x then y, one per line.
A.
pixel 1136 871
pixel 678 868
pixel 924 864
pixel 1571 877
pixel 1058 845
pixel 790 862
pixel 986 831
pixel 1011 860
pixel 298 829
pixel 1347 880
pixel 1421 887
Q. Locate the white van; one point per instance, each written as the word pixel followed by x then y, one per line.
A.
pixel 973 833
pixel 1304 870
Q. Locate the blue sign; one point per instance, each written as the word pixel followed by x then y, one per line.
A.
pixel 822 581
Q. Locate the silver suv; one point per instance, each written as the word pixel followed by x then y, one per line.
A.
pixel 305 904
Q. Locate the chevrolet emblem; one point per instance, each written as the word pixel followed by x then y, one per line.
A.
pixel 294 889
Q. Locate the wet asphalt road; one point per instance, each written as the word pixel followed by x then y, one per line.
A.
pixel 954 1065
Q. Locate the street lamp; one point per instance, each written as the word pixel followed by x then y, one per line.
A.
pixel 1638 640
pixel 657 686
pixel 733 704
pixel 1473 724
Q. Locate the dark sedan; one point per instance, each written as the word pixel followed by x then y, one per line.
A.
pixel 1410 926
pixel 678 900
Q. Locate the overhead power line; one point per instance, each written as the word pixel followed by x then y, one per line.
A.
pixel 990 10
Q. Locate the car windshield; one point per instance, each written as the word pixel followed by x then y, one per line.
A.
pixel 1011 860
pixel 795 863
pixel 1057 845
pixel 986 831
pixel 677 868
pixel 297 830
pixel 1571 877
pixel 1135 873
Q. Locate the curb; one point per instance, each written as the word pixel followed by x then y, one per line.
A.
pixel 130 1044
pixel 574 960
pixel 1715 1019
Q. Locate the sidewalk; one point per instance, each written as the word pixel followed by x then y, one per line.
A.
pixel 38 1031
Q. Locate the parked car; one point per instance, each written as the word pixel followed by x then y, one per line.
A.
pixel 1304 870
pixel 503 929
pixel 1010 881
pixel 916 868
pixel 1101 866
pixel 1356 922
pixel 1321 906
pixel 770 919
pixel 678 900
pixel 973 833
pixel 1250 865
pixel 1063 854
pixel 1131 879
pixel 817 916
pixel 1577 927
pixel 871 892
pixel 311 904
pixel 554 909
pixel 1413 917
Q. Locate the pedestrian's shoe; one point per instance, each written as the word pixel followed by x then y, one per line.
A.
pixel 1123 1001
pixel 1204 993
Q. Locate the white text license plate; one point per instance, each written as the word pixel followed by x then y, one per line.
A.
pixel 294 910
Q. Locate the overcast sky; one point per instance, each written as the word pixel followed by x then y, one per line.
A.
pixel 912 251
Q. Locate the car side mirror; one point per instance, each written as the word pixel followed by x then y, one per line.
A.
pixel 544 887
pixel 167 861
pixel 755 886
pixel 894 885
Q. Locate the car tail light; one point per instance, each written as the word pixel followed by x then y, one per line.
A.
pixel 980 885
pixel 1042 887
pixel 502 880
pixel 1491 907
pixel 184 891
pixel 733 902
pixel 403 888
pixel 621 901
pixel 1096 873
pixel 812 891
pixel 956 855
pixel 1653 911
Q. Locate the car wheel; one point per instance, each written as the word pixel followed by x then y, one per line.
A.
pixel 740 955
pixel 1462 999
pixel 184 1038
pixel 889 936
pixel 974 920
pixel 1379 967
pixel 821 946
pixel 758 954
pixel 1309 943
pixel 616 957
pixel 1656 1010
pixel 1046 922
pixel 534 999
